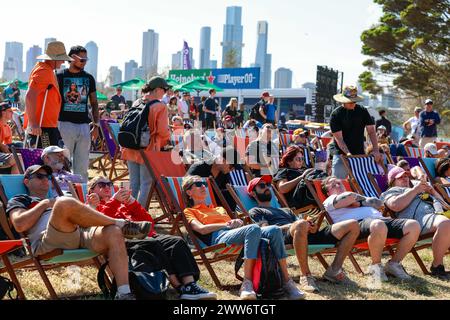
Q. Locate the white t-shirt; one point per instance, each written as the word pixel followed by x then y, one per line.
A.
pixel 414 122
pixel 184 109
pixel 343 214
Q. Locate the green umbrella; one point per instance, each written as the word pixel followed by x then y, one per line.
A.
pixel 172 82
pixel 197 85
pixel 101 96
pixel 22 85
pixel 133 84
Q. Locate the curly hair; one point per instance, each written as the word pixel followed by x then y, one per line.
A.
pixel 289 155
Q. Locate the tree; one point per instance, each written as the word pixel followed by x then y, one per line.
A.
pixel 231 59
pixel 409 47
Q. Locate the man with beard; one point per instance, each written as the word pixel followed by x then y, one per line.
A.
pixel 301 232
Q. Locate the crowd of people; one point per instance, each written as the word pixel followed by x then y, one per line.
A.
pixel 62 117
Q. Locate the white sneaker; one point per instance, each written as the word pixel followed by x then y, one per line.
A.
pixel 376 276
pixel 308 283
pixel 396 269
pixel 246 292
pixel 292 291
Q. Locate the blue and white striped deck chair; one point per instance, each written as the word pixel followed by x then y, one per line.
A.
pixel 246 202
pixel 238 177
pixel 358 168
pixel 12 185
pixel 307 156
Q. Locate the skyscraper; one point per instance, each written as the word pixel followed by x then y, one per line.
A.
pixel 92 64
pixel 130 66
pixel 114 76
pixel 205 48
pixel 232 38
pixel 13 63
pixel 32 53
pixel 47 40
pixel 150 40
pixel 263 60
pixel 283 78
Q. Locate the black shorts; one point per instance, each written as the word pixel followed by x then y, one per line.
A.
pixel 323 236
pixel 394 226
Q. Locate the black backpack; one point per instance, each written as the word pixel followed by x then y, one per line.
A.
pixel 134 132
pixel 302 194
pixel 267 277
pixel 254 112
pixel 148 281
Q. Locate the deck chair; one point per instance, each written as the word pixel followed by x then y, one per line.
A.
pixel 285 141
pixel 25 157
pixel 413 162
pixel 6 247
pixel 106 159
pixel 11 185
pixel 112 139
pixel 379 181
pixel 219 252
pixel 358 167
pixel 415 152
pixel 429 166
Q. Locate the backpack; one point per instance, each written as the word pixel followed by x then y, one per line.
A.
pixel 134 132
pixel 254 112
pixel 267 277
pixel 148 281
pixel 7 287
pixel 302 194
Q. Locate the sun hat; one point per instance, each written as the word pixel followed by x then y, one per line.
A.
pixel 348 95
pixel 55 51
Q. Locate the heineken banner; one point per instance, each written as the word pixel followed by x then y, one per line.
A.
pixel 230 78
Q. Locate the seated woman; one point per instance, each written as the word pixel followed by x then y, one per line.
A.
pixel 443 171
pixel 215 226
pixel 176 257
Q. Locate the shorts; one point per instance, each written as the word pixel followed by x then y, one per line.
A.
pixel 323 236
pixel 53 239
pixel 394 226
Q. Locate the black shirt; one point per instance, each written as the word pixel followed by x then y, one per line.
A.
pixel 118 100
pixel 352 124
pixel 288 175
pixel 75 89
pixel 210 104
pixel 230 112
pixel 384 122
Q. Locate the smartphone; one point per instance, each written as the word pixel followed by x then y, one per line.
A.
pixel 125 184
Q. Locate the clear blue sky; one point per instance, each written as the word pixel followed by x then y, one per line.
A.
pixel 302 34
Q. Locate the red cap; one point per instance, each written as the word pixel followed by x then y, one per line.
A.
pixel 265 94
pixel 228 118
pixel 252 184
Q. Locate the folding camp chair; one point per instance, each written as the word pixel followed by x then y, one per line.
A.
pixel 11 185
pixel 220 251
pixel 6 247
pixel 415 152
pixel 358 167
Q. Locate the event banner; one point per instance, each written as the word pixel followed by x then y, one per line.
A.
pixel 229 78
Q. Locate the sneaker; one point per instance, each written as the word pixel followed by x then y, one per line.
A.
pixel 126 296
pixel 136 230
pixel 308 283
pixel 439 272
pixel 246 292
pixel 194 291
pixel 292 291
pixel 396 270
pixel 336 277
pixel 376 276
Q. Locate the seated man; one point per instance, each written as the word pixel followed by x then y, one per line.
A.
pixel 342 206
pixel 58 159
pixel 300 232
pixel 65 223
pixel 416 203
pixel 215 226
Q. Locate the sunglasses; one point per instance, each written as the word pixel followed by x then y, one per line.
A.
pixel 263 185
pixel 198 184
pixel 82 59
pixel 41 176
pixel 104 184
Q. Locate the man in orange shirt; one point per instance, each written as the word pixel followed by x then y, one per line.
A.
pixel 158 123
pixel 42 78
pixel 7 162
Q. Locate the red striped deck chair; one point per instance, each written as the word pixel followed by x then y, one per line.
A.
pixel 415 152
pixel 6 247
pixel 218 252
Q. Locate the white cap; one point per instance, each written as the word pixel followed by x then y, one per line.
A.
pixel 428 101
pixel 431 148
pixel 382 127
pixel 55 149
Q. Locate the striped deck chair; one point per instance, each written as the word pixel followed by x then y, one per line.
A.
pixel 285 141
pixel 415 152
pixel 238 177
pixel 11 185
pixel 6 247
pixel 380 182
pixel 219 252
pixel 358 167
pixel 243 199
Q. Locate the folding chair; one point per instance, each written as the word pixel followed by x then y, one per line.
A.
pixel 285 141
pixel 11 185
pixel 27 158
pixel 112 139
pixel 6 247
pixel 325 141
pixel 413 162
pixel 358 167
pixel 220 251
pixel 379 181
pixel 429 166
pixel 415 152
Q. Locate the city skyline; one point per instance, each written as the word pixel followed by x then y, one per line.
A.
pixel 299 42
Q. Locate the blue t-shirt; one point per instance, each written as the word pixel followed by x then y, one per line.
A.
pixel 8 92
pixel 425 129
pixel 271 109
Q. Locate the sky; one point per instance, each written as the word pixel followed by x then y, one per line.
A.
pixel 302 34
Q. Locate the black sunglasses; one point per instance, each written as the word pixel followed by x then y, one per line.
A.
pixel 41 176
pixel 262 185
pixel 104 184
pixel 198 184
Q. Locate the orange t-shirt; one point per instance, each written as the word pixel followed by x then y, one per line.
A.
pixel 158 120
pixel 41 76
pixel 5 134
pixel 207 214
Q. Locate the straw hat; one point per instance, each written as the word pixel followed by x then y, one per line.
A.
pixel 55 51
pixel 348 95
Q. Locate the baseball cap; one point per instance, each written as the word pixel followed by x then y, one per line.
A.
pixel 91 184
pixel 395 173
pixel 418 109
pixel 428 101
pixel 35 168
pixel 431 148
pixel 55 149
pixel 298 132
pixel 382 127
pixel 5 106
pixel 158 82
pixel 254 182
pixel 266 94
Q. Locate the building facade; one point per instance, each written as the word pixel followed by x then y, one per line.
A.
pixel 232 38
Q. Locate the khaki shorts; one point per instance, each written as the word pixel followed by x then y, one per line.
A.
pixel 53 239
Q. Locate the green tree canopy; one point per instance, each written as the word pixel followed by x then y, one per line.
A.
pixel 410 46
